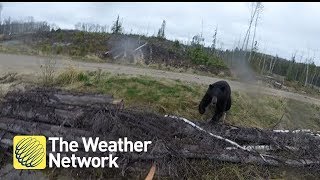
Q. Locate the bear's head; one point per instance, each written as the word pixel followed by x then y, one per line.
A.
pixel 211 96
pixel 216 91
pixel 204 103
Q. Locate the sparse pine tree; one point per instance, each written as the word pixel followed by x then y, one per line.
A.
pixel 161 31
pixel 213 46
pixel 117 27
pixel 196 40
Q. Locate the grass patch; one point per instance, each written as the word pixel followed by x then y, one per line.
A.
pixel 256 110
pixel 70 76
pixel 18 49
pixel 162 96
pixel 301 115
pixel 182 99
pixel 300 88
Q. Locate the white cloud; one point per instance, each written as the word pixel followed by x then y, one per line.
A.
pixel 283 28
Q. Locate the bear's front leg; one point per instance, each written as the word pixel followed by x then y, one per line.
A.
pixel 217 116
pixel 224 117
pixel 220 109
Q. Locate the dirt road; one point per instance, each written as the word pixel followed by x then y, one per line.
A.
pixel 31 65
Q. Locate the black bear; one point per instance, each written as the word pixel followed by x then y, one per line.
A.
pixel 218 93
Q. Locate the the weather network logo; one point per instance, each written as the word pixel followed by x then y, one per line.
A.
pixel 29 152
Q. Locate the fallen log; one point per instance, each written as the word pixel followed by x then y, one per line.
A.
pixel 264 148
pixel 55 96
pixel 140 47
pixel 8 77
pixel 234 156
pixel 24 127
pixel 46 112
pixel 245 135
pixel 53 106
pixel 316 134
pixel 249 148
pixel 186 151
pixel 213 135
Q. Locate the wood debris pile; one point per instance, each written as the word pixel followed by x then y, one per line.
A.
pixel 52 112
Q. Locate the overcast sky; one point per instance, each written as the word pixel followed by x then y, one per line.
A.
pixel 282 29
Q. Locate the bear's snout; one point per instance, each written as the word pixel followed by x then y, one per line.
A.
pixel 214 100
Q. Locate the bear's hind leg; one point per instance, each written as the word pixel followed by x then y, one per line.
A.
pixel 228 105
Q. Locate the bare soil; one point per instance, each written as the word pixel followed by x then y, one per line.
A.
pixel 31 65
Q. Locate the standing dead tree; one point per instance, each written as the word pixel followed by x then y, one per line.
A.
pixel 274 63
pixel 307 62
pixel 307 72
pixel 316 74
pixel 214 41
pixel 255 8
pixel 258 8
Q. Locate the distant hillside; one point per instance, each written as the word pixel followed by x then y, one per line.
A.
pixel 97 42
pixel 154 50
pixel 120 47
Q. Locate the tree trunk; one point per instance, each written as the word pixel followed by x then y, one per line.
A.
pixel 247 36
pixel 307 73
pixel 312 80
pixel 274 62
pixel 264 63
pixel 254 35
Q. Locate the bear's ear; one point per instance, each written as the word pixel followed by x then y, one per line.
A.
pixel 210 86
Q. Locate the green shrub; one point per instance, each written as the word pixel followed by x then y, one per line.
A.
pixel 176 44
pixel 60 36
pixel 83 77
pixel 46 48
pixel 59 49
pixel 71 75
pixel 200 57
pixel 79 37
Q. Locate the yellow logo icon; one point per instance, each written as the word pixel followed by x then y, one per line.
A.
pixel 29 152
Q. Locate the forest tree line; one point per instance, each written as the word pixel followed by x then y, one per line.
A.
pixel 297 69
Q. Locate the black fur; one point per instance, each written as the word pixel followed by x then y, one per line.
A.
pixel 218 93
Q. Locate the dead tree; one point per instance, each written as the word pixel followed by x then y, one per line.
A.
pixel 254 10
pixel 307 72
pixel 259 7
